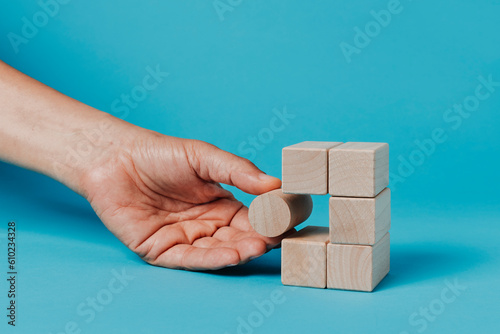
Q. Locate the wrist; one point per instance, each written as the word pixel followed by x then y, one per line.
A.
pixel 89 147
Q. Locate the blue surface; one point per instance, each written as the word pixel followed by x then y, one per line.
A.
pixel 228 77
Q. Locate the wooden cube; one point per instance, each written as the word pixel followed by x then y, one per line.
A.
pixel 303 257
pixel 358 169
pixel 305 167
pixel 356 267
pixel 355 220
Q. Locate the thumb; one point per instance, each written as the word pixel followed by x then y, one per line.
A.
pixel 216 165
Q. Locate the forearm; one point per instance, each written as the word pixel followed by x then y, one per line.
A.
pixel 46 131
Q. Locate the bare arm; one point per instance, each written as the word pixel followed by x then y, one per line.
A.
pixel 159 195
pixel 49 132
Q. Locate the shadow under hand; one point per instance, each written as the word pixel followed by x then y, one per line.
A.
pixel 39 190
pixel 268 264
pixel 62 211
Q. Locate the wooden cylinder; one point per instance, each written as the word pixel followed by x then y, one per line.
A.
pixel 273 213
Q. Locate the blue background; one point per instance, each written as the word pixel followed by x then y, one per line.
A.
pixel 226 76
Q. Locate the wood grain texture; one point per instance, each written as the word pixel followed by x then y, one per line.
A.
pixel 273 213
pixel 303 257
pixel 364 221
pixel 357 267
pixel 358 169
pixel 305 167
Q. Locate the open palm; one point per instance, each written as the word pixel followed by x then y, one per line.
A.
pixel 161 197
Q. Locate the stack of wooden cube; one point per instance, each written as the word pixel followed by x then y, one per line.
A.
pixel 354 252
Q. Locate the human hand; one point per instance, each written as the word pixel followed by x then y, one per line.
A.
pixel 161 197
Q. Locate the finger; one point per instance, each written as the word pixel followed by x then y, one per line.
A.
pixel 240 220
pixel 250 248
pixel 195 258
pixel 247 247
pixel 168 236
pixel 214 164
pixel 231 233
pixel 212 190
